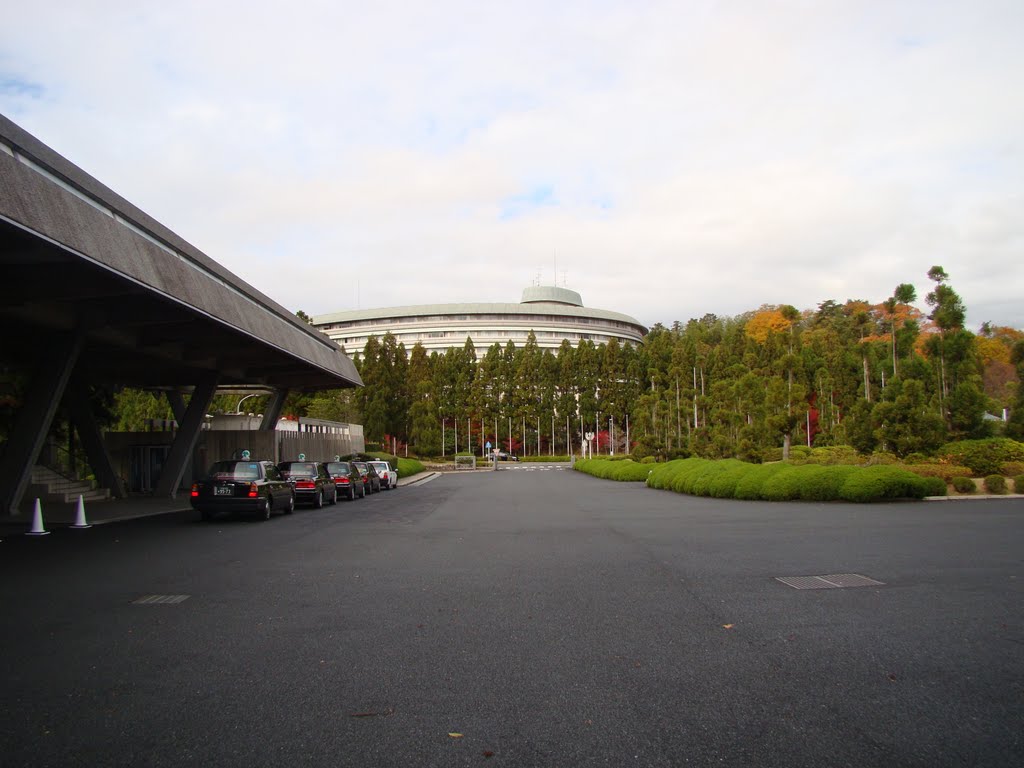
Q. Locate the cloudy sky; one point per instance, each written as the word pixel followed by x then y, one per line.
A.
pixel 664 159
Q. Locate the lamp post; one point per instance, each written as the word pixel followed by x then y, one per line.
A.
pixel 238 408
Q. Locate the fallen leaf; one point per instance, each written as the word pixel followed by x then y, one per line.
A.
pixel 455 735
pixel 488 753
pixel 728 626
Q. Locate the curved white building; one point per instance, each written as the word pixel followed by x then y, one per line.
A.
pixel 552 313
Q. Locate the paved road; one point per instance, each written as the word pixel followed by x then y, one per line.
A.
pixel 550 618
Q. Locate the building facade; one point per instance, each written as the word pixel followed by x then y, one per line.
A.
pixel 552 313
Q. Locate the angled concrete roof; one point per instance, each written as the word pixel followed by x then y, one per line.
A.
pixel 156 311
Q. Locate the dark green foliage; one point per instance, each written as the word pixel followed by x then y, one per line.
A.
pixel 984 457
pixel 1018 484
pixel 995 484
pixel 963 485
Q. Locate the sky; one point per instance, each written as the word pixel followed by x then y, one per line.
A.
pixel 663 159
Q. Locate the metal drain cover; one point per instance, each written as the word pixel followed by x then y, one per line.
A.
pixel 831 581
pixel 160 600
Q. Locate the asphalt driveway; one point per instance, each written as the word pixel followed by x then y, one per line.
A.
pixel 528 617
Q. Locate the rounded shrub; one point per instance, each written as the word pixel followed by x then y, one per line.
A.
pixel 963 485
pixel 722 485
pixel 784 485
pixel 883 481
pixel 984 457
pixel 935 486
pixel 995 484
pixel 751 484
pixel 824 483
pixel 1018 484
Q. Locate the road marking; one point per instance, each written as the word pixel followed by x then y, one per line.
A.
pixel 160 600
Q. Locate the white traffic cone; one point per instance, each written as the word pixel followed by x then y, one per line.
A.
pixel 80 516
pixel 37 521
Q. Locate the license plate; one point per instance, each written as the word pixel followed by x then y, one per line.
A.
pixel 223 490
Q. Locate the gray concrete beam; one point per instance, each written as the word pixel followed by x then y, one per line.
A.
pixel 273 410
pixel 77 398
pixel 184 443
pixel 33 425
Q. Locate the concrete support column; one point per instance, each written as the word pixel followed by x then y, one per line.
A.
pixel 185 441
pixel 177 403
pixel 84 420
pixel 33 424
pixel 273 410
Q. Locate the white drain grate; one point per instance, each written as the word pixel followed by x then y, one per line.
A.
pixel 831 581
pixel 160 600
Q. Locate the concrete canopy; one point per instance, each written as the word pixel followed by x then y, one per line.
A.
pixel 153 310
pixel 96 292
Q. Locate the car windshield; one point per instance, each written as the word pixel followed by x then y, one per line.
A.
pixel 298 470
pixel 338 468
pixel 235 470
pixel 380 466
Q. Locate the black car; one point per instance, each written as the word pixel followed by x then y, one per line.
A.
pixel 254 487
pixel 348 481
pixel 371 480
pixel 311 482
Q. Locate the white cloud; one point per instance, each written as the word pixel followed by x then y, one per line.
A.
pixel 685 157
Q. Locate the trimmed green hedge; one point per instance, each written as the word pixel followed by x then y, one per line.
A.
pixel 544 458
pixel 1018 484
pixel 408 467
pixel 731 478
pixel 623 471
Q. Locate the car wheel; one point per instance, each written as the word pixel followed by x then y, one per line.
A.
pixel 290 506
pixel 334 497
pixel 264 509
pixel 319 503
pixel 362 492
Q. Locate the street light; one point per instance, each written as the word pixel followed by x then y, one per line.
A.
pixel 238 408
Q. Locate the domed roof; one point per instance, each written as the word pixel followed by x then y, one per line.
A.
pixel 550 294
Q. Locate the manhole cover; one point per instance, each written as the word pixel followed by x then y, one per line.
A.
pixel 160 600
pixel 830 581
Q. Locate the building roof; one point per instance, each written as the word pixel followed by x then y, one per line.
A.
pixel 477 308
pixel 154 309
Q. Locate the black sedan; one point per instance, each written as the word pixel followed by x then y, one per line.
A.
pixel 253 487
pixel 311 482
pixel 347 480
pixel 371 480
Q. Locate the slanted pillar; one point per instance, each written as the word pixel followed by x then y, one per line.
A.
pixel 33 424
pixel 273 410
pixel 84 420
pixel 177 403
pixel 185 441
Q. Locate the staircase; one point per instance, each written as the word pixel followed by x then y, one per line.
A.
pixel 51 486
